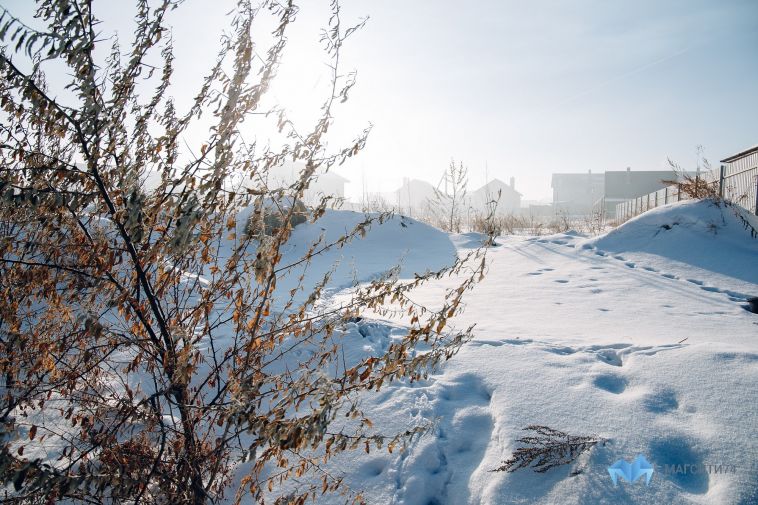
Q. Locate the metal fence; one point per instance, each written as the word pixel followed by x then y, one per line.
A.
pixel 736 182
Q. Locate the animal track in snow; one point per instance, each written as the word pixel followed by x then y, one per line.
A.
pixel 611 383
pixel 661 401
pixel 435 465
pixel 733 296
pixel 610 354
pixel 674 449
pixel 541 271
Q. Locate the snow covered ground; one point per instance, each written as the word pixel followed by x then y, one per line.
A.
pixel 640 336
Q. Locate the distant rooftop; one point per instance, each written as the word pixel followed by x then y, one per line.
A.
pixel 497 183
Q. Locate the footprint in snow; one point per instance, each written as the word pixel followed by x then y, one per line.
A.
pixel 610 383
pixel 660 402
pixel 373 468
pixel 673 449
pixel 439 468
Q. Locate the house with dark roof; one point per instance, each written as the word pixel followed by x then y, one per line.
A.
pixel 622 185
pixel 583 194
pixel 575 194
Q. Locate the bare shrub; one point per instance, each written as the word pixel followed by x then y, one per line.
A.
pixel 559 224
pixel 547 449
pixel 150 353
pixel 446 207
pixel 698 188
pixel 271 220
pixel 374 202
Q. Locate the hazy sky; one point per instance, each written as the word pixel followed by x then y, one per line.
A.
pixel 524 88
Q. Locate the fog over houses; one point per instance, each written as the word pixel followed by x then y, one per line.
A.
pixel 574 194
pixel 415 197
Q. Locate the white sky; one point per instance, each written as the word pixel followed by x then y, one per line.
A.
pixel 524 88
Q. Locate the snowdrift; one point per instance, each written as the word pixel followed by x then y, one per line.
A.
pixel 417 247
pixel 399 240
pixel 702 233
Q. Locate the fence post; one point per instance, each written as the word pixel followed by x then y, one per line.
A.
pixel 756 195
pixel 656 199
pixel 678 192
pixel 666 195
pixel 722 173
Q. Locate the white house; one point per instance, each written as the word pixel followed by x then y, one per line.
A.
pixel 324 184
pixel 413 196
pixel 509 201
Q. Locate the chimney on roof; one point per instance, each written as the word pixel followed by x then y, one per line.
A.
pixel 513 183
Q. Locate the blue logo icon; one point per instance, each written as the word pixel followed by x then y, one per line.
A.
pixel 631 471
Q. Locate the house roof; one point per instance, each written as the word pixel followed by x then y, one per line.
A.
pixel 631 184
pixel 497 184
pixel 415 183
pixel 739 155
pixel 289 172
pixel 576 178
pixel 333 176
